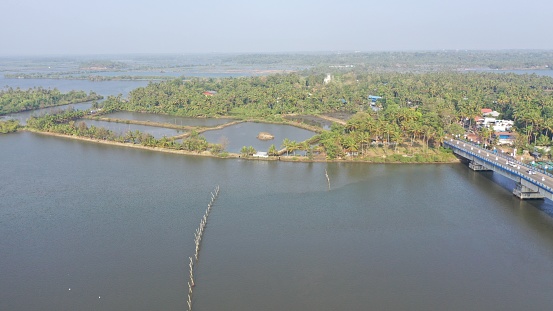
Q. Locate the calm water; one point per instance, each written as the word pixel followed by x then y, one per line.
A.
pixel 115 225
pixel 215 73
pixel 23 116
pixel 245 134
pixel 208 122
pixel 105 88
pixel 114 88
pixel 122 128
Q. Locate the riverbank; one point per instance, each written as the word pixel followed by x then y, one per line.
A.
pixel 375 157
pixel 136 146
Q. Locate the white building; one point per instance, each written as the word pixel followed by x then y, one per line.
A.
pixel 260 154
pixel 503 125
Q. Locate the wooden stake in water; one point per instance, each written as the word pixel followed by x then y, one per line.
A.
pixel 197 242
pixel 328 179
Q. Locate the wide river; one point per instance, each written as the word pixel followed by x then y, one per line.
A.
pixel 85 226
pixel 93 227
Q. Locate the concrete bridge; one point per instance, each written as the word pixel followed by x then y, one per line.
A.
pixel 531 183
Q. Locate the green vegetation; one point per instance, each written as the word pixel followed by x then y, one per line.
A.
pixel 400 61
pixel 66 123
pixel 450 94
pixel 247 151
pixel 415 109
pixel 16 100
pixel 407 123
pixel 103 65
pixel 8 126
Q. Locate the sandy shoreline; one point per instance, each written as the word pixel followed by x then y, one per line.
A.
pixel 136 146
pixel 228 155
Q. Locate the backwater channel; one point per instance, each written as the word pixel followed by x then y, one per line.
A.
pixel 86 226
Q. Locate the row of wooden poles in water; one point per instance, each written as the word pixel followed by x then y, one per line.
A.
pixel 197 242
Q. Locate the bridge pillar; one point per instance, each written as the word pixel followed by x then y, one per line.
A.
pixel 525 193
pixel 475 166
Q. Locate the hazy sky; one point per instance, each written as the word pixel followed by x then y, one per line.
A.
pixel 31 27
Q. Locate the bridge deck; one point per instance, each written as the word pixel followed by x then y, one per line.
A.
pixel 507 166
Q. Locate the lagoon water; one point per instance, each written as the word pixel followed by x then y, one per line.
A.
pixel 94 227
pixel 122 128
pixel 161 118
pixel 23 116
pixel 245 134
pixel 105 88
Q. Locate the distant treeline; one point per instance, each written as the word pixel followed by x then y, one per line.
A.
pixel 16 100
pixel 104 65
pixel 361 62
pixel 405 61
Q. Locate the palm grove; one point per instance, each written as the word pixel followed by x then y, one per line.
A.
pixel 415 113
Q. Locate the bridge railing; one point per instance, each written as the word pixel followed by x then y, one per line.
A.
pixel 504 167
pixel 501 155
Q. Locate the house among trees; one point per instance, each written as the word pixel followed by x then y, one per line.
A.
pixel 209 93
pixel 503 125
pixel 374 98
pixel 505 138
pixel 487 112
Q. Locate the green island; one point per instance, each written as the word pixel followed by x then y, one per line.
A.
pixel 381 116
pixel 17 100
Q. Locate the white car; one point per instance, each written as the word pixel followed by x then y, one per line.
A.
pixel 531 172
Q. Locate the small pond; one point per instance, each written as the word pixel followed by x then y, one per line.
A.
pixel 163 118
pixel 122 128
pixel 245 134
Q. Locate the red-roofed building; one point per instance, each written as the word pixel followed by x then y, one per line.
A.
pixel 491 113
pixel 209 93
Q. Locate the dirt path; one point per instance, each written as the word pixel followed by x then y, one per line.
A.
pixel 335 120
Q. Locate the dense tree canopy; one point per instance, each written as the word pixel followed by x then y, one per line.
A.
pixel 413 108
pixel 443 99
pixel 16 100
pixel 8 126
